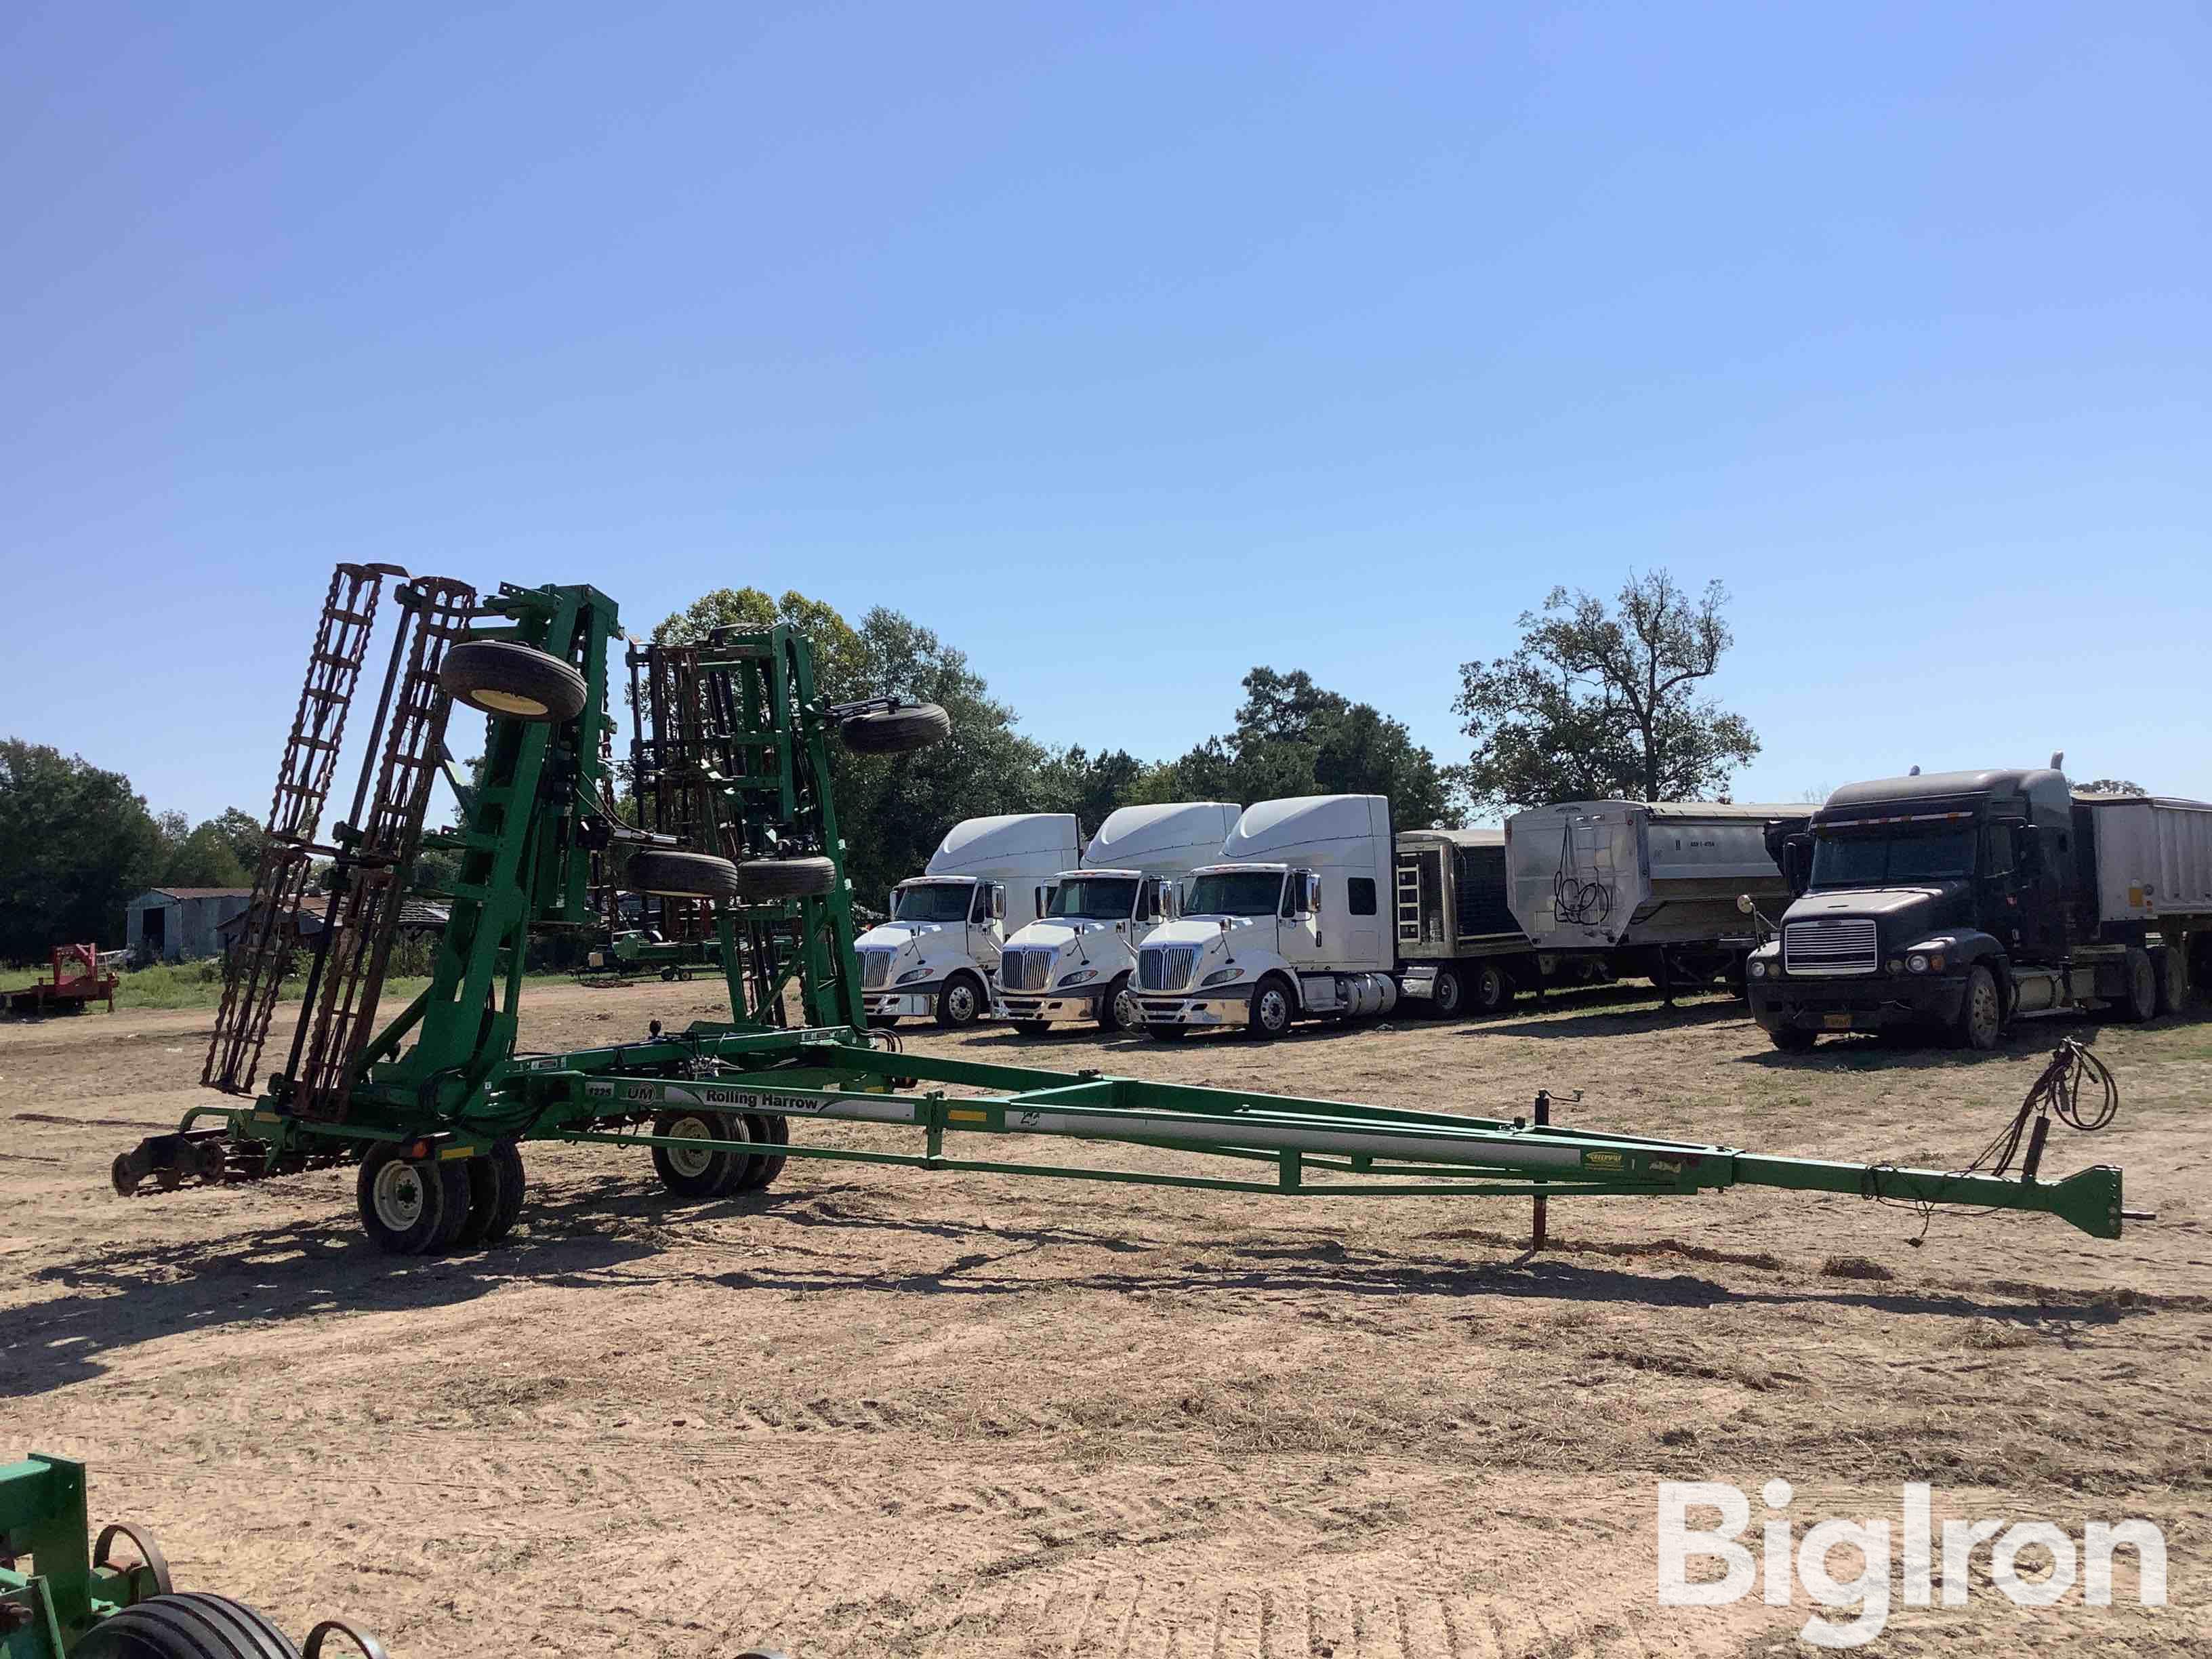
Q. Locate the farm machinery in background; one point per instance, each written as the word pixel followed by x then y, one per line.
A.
pixel 80 977
pixel 735 831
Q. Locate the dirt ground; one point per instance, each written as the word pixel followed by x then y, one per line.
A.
pixel 879 1411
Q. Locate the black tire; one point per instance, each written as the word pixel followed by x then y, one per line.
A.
pixel 403 1202
pixel 1449 999
pixel 189 1624
pixel 682 875
pixel 513 682
pixel 961 1003
pixel 704 1174
pixel 1493 991
pixel 1980 1023
pixel 1118 1013
pixel 895 731
pixel 2142 1001
pixel 775 878
pixel 508 1162
pixel 2172 980
pixel 1792 1039
pixel 763 1129
pixel 484 1192
pixel 1030 1028
pixel 1275 1006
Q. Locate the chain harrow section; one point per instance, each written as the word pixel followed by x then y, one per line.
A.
pixel 257 967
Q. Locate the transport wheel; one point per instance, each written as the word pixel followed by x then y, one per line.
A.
pixel 775 878
pixel 192 1625
pixel 1493 992
pixel 485 1189
pixel 1791 1039
pixel 2142 1002
pixel 508 1162
pixel 960 1004
pixel 895 731
pixel 513 682
pixel 1981 1013
pixel 706 1171
pixel 1450 999
pixel 682 875
pixel 1030 1027
pixel 1272 1009
pixel 405 1202
pixel 763 1129
pixel 1118 1010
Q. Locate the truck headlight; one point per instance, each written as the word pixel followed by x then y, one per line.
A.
pixel 912 974
pixel 1221 976
pixel 1079 975
pixel 1757 968
pixel 1917 963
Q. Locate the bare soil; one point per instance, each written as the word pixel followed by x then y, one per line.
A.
pixel 877 1410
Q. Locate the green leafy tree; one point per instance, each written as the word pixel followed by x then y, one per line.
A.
pixel 1093 786
pixel 1601 703
pixel 241 832
pixel 1295 737
pixel 76 841
pixel 2112 787
pixel 203 858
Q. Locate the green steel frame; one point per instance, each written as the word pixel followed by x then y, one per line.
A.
pixel 459 1090
pixel 45 1612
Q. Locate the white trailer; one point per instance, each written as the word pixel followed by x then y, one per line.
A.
pixel 1651 887
pixel 938 955
pixel 1290 923
pixel 1076 960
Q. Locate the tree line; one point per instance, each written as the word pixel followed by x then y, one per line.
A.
pixel 1599 700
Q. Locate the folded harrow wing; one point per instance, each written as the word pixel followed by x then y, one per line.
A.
pixel 731 825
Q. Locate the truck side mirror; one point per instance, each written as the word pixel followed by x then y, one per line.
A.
pixel 1797 863
pixel 998 902
pixel 1313 894
pixel 2027 848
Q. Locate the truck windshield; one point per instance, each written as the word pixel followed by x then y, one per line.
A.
pixel 1876 861
pixel 932 901
pixel 1094 898
pixel 1235 893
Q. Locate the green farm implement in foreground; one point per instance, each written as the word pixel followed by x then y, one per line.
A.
pixel 736 833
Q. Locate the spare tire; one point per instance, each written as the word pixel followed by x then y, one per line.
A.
pixel 895 731
pixel 512 682
pixel 682 875
pixel 777 878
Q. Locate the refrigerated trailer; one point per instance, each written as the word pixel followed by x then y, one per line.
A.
pixel 1650 888
pixel 1077 959
pixel 1959 901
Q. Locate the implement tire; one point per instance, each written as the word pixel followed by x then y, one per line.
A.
pixel 780 878
pixel 512 682
pixel 189 1625
pixel 895 731
pixel 708 1172
pixel 682 875
pixel 410 1206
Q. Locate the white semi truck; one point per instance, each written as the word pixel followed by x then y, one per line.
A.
pixel 938 955
pixel 1288 924
pixel 1078 960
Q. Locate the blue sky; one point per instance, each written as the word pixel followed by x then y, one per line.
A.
pixel 1127 347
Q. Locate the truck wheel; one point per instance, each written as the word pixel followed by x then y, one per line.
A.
pixel 1792 1039
pixel 960 1004
pixel 1117 1008
pixel 775 878
pixel 682 875
pixel 1493 992
pixel 1449 999
pixel 895 731
pixel 1272 1009
pixel 1981 1013
pixel 2172 980
pixel 2142 988
pixel 513 681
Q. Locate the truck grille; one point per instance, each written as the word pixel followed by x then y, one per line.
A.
pixel 1024 970
pixel 875 968
pixel 1165 967
pixel 1845 945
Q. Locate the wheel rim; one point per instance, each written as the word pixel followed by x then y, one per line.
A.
pixel 1985 1008
pixel 1274 1009
pixel 1126 1011
pixel 399 1195
pixel 1493 987
pixel 960 1004
pixel 1447 993
pixel 690 1162
pixel 507 702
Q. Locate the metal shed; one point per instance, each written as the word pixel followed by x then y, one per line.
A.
pixel 179 924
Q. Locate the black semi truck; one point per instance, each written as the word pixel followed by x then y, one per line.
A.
pixel 1957 901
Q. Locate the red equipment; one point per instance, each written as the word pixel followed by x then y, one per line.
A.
pixel 77 980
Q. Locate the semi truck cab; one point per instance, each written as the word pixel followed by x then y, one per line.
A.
pixel 1076 960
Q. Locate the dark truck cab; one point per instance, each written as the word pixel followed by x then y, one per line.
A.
pixel 1956 901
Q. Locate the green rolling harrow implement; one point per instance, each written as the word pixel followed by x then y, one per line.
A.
pixel 736 832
